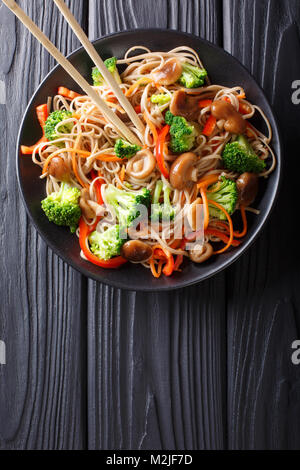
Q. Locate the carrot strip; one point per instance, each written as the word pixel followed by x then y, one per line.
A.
pixel 207 181
pixel 205 207
pixel 155 273
pixel 141 81
pixel 245 224
pixel 230 226
pixel 67 93
pixel 209 126
pixel 152 127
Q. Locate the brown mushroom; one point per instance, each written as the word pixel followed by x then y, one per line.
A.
pixel 141 165
pixel 136 251
pixel 234 122
pixel 247 185
pixel 168 73
pixel 185 105
pixel 183 170
pixel 194 214
pixel 86 209
pixel 200 254
pixel 59 169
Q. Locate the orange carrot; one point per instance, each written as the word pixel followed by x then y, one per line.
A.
pixel 209 126
pixel 155 273
pixel 71 95
pixel 152 127
pixel 141 81
pixel 230 227
pixel 245 224
pixel 205 207
pixel 207 181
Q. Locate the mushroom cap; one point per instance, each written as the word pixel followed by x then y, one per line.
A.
pixel 183 170
pixel 234 121
pixel 185 105
pixel 136 251
pixel 201 254
pixel 141 165
pixel 168 73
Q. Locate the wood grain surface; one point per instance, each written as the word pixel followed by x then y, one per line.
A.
pixel 43 301
pixel 207 367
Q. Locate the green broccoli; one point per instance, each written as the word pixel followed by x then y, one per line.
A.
pixel 111 65
pixel 162 212
pixel 52 128
pixel 124 149
pixel 182 133
pixel 62 207
pixel 226 194
pixel 108 244
pixel 160 99
pixel 125 203
pixel 240 157
pixel 192 76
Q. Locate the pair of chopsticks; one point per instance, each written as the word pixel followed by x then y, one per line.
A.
pixel 119 125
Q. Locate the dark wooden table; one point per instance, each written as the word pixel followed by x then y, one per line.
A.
pixel 208 367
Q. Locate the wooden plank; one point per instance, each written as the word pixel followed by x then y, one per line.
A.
pixel 156 362
pixel 42 395
pixel 263 287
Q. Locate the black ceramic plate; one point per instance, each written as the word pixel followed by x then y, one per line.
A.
pixel 223 69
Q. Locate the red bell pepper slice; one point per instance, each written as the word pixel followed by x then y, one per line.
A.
pixel 42 115
pixel 209 126
pixel 160 151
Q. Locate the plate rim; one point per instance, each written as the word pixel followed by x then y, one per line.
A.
pixel 235 256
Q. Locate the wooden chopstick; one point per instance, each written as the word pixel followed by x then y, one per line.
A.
pixel 90 49
pixel 40 36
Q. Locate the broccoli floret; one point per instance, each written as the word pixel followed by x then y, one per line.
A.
pixel 53 120
pixel 162 212
pixel 160 99
pixel 124 149
pixel 240 157
pixel 125 203
pixel 182 133
pixel 108 244
pixel 192 76
pixel 226 194
pixel 111 65
pixel 62 207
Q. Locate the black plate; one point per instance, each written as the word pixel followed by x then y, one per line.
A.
pixel 223 69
